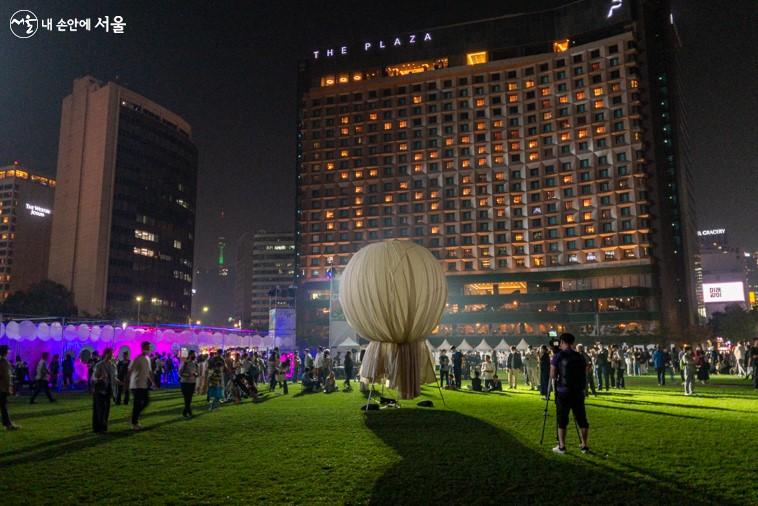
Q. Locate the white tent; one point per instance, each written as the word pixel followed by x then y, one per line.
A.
pixel 483 346
pixel 349 343
pixel 464 346
pixel 522 345
pixel 444 345
pixel 502 345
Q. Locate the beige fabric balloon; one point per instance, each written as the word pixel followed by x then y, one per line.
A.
pixel 393 293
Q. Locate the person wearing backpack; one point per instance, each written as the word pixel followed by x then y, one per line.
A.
pixel 568 372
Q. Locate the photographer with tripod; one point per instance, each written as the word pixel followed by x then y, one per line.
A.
pixel 568 373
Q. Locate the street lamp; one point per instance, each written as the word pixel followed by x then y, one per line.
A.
pixel 206 309
pixel 138 298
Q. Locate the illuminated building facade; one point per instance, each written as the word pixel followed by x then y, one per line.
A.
pixel 26 203
pixel 123 234
pixel 541 157
pixel 265 276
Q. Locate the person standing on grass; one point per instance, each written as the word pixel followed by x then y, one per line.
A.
pixel 753 362
pixel 68 371
pixel 603 370
pixel 689 369
pixel 215 384
pixel 348 369
pixel 590 379
pixel 122 388
pixel 103 379
pixel 6 387
pixel 20 372
pixel 444 362
pixel 55 368
pixel 544 371
pixel 515 364
pixel 157 370
pixel 457 366
pixel 42 378
pixel 659 362
pixel 568 371
pixel 284 369
pixel 620 367
pixel 141 377
pixel 187 378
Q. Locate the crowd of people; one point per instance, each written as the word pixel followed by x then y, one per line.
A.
pixel 235 375
pixel 608 366
pixel 221 376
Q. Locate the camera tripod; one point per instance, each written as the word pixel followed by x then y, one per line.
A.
pixel 550 388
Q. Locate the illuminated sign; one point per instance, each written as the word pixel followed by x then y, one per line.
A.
pixel 615 4
pixel 37 210
pixel 399 41
pixel 732 291
pixel 713 231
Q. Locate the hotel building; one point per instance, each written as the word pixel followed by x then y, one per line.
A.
pixel 265 274
pixel 123 233
pixel 541 157
pixel 26 202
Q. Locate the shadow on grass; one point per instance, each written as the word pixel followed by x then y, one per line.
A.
pixel 647 411
pixel 28 415
pixel 676 405
pixel 68 445
pixel 449 457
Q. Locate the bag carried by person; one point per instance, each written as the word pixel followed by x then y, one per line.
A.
pixel 572 370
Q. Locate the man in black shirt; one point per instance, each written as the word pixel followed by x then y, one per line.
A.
pixel 568 371
pixel 122 389
pixel 457 366
pixel 754 362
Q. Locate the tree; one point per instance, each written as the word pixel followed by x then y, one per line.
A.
pixel 735 323
pixel 46 298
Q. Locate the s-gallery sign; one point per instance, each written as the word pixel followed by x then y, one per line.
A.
pixel 375 45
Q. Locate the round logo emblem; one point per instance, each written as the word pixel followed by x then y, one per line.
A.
pixel 24 24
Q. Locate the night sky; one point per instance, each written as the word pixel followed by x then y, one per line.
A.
pixel 229 68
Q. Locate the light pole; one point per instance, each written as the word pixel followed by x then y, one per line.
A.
pixel 138 298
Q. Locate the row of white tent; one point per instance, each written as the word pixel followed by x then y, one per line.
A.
pixel 29 331
pixel 464 346
pixel 482 347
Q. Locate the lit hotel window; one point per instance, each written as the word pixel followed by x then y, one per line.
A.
pixel 372 116
pixel 529 84
pixel 476 58
pixel 534 156
pixel 600 130
pixel 402 124
pixel 359 224
pixel 329 215
pixel 358 189
pixel 344 175
pixel 358 201
pixel 144 252
pixel 564 99
pixel 560 46
pixel 582 133
pixel 466 163
pixel 404 185
pixel 532 144
pixel 403 146
pixel 512 86
pixel 568 179
pixel 345 120
pixel 498 160
pixel 598 104
pixel 373 172
pixel 344 131
pixel 435 230
pixel 344 153
pixel 580 95
pixel 544 91
pixel 512 99
pixel 329 165
pixel 479 102
pixel 634 83
pixel 418 167
pixel 388 198
pixel 565 136
pixel 358 174
pixel 416 99
pixel 388 125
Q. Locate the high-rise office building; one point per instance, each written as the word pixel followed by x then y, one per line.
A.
pixel 26 203
pixel 123 233
pixel 265 275
pixel 541 157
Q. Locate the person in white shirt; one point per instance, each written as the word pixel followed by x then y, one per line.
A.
pixel 140 378
pixel 41 379
pixel 739 355
pixel 488 371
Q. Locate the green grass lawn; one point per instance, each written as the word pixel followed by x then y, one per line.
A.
pixel 652 446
